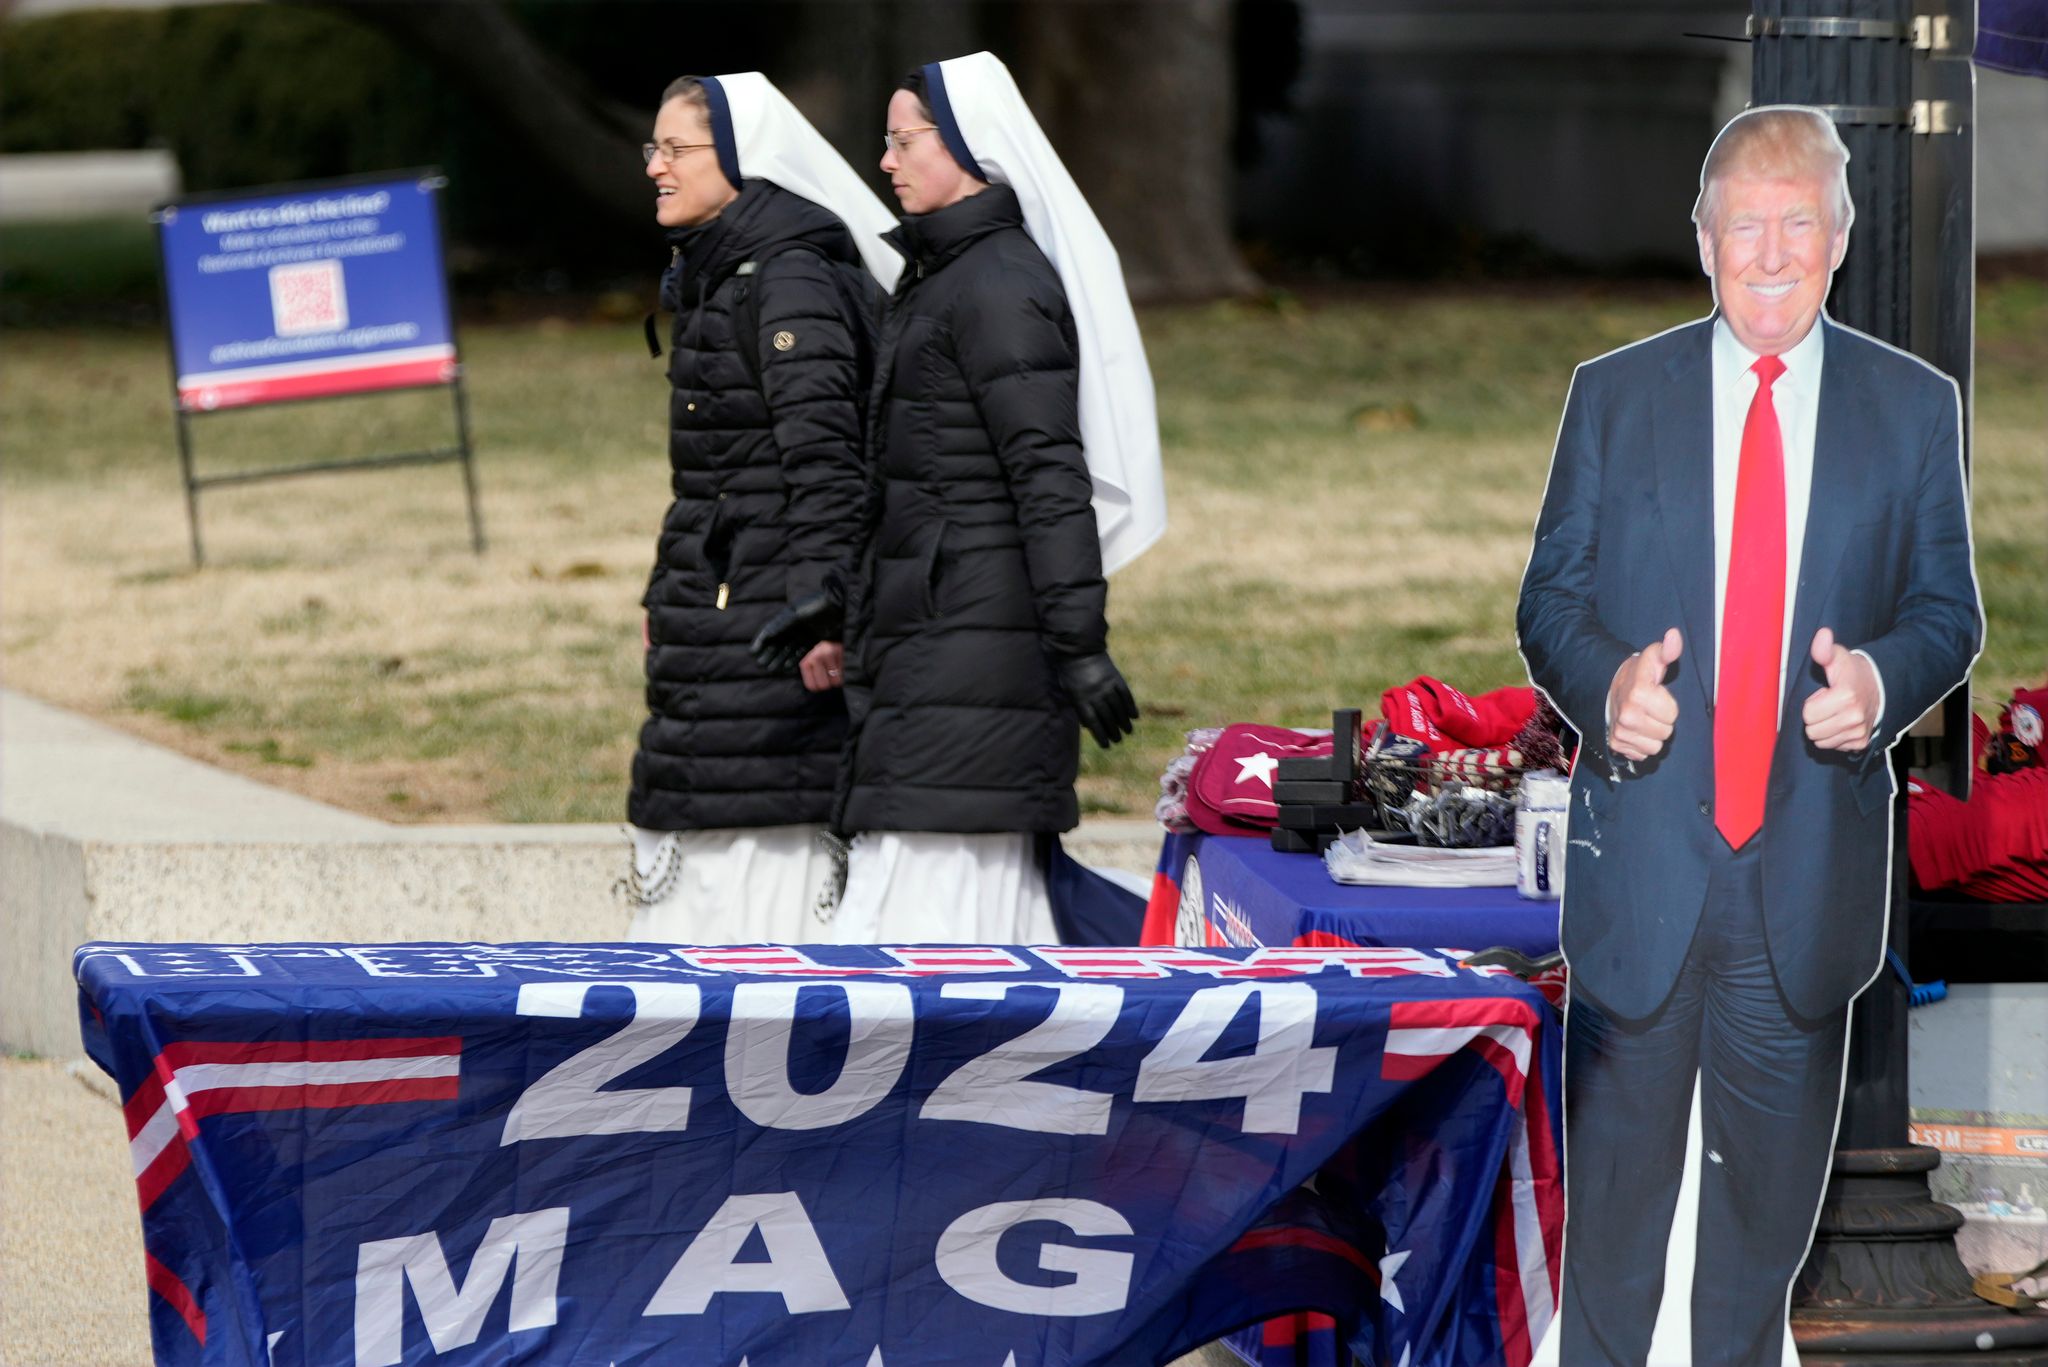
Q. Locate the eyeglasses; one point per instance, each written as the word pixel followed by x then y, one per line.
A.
pixel 669 152
pixel 898 139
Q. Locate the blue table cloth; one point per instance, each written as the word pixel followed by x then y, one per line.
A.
pixel 829 1156
pixel 1238 890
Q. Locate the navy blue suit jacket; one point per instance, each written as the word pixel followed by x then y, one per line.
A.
pixel 1624 549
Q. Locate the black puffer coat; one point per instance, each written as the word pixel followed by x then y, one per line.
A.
pixel 769 491
pixel 983 569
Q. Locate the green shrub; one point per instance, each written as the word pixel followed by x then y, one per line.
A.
pixel 241 94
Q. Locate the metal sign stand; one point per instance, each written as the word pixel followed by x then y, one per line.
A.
pixel 461 451
pixel 1883 1282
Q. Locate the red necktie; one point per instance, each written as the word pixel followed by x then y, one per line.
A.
pixel 1752 622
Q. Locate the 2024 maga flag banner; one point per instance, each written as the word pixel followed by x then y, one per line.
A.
pixel 758 1156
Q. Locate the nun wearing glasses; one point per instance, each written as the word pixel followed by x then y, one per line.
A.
pixel 1015 451
pixel 776 278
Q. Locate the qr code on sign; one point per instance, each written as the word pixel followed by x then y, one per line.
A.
pixel 308 298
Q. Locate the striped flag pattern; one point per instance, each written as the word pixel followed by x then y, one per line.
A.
pixel 194 1079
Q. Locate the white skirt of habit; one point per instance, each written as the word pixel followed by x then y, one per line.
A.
pixel 742 886
pixel 927 887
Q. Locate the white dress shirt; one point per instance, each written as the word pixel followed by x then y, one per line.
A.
pixel 1796 397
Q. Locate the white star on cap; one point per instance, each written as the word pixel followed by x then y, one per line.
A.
pixel 1259 766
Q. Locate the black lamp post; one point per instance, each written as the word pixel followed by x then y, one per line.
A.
pixel 1883 1283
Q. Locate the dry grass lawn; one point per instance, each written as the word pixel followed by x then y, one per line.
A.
pixel 1352 483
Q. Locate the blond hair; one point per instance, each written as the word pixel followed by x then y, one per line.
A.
pixel 1777 142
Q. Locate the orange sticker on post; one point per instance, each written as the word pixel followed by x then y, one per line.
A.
pixel 1995 1141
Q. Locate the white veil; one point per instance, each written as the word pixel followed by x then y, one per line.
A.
pixel 761 135
pixel 986 123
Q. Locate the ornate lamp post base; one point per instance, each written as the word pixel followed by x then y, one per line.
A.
pixel 1884 1283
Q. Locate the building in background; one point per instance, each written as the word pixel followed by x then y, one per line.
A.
pixel 1481 134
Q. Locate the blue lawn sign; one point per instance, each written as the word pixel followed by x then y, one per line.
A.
pixel 305 292
pixel 325 289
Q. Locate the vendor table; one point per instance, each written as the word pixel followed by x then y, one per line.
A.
pixel 827 1156
pixel 1238 890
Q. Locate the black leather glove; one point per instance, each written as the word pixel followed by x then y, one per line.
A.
pixel 1101 697
pixel 790 633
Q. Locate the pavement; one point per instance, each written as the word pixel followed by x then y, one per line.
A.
pixel 60 771
pixel 71 1288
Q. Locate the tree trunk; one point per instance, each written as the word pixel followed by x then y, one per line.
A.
pixel 545 110
pixel 1136 95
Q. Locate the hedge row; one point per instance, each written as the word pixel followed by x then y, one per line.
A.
pixel 258 94
pixel 242 94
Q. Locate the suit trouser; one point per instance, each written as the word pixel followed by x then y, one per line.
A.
pixel 1770 1088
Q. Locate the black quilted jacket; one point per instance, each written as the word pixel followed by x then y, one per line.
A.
pixel 983 567
pixel 769 493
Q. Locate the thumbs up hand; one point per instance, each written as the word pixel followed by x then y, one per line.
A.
pixel 1840 716
pixel 1640 709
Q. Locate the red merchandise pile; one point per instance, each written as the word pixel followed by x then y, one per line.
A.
pixel 1444 719
pixel 1495 736
pixel 1225 782
pixel 1231 791
pixel 1993 848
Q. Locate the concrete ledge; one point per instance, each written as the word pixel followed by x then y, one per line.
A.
pixel 106 837
pixel 55 187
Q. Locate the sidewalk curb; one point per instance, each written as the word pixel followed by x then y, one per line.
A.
pixel 107 837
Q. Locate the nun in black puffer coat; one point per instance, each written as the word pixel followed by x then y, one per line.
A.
pixel 768 490
pixel 772 353
pixel 984 577
pixel 977 648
